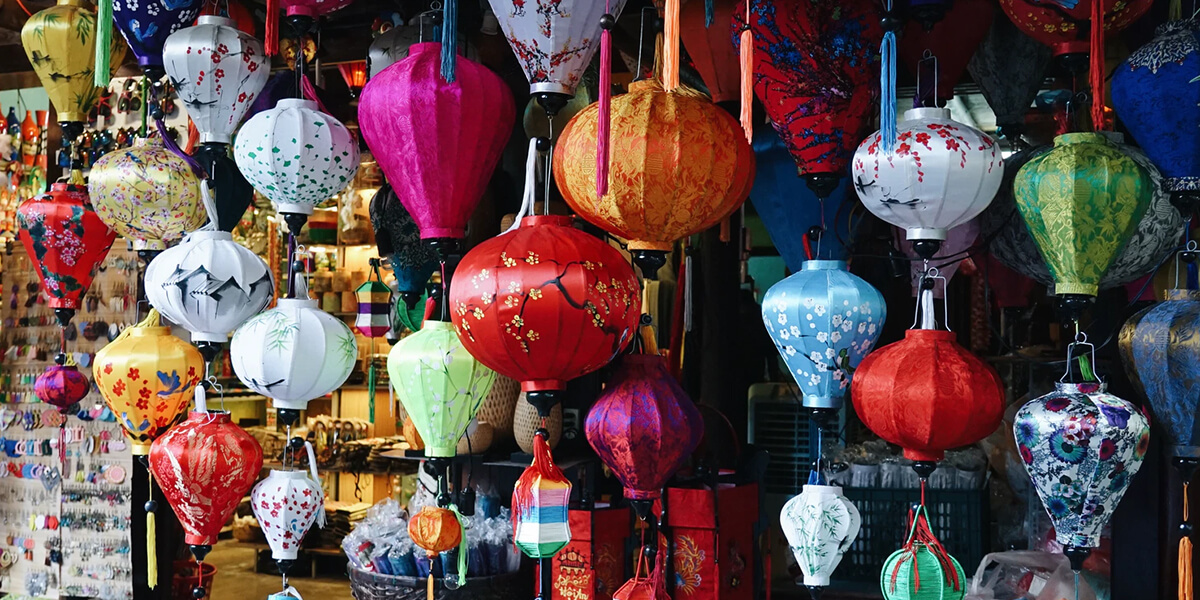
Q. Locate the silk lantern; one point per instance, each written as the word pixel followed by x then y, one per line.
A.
pixel 436 530
pixel 147 377
pixel 147 194
pixel 301 14
pixel 391 46
pixel 789 209
pixel 1152 94
pixel 540 501
pixel 644 428
pixel 209 284
pixel 287 504
pixel 399 239
pixel 820 524
pixel 951 41
pixel 816 72
pixel 374 307
pixel 543 304
pixel 711 47
pixel 1081 447
pixel 922 568
pixel 553 43
pixel 1008 67
pixel 296 156
pixel 655 196
pixel 205 466
pixel 1081 201
pixel 67 242
pixel 145 25
pixel 437 142
pixel 440 385
pixel 941 174
pixel 1065 27
pixel 61 386
pixel 293 353
pixel 823 320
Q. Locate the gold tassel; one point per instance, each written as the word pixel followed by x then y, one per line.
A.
pixel 429 582
pixel 151 540
pixel 746 60
pixel 1186 592
pixel 671 46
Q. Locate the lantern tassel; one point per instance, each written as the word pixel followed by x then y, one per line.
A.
pixel 746 60
pixel 463 549
pixel 887 85
pixel 271 28
pixel 530 192
pixel 1097 70
pixel 605 112
pixel 429 581
pixel 104 32
pixel 173 148
pixel 449 40
pixel 709 12
pixel 671 46
pixel 1186 591
pixel 151 538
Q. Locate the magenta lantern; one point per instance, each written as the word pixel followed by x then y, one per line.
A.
pixel 61 386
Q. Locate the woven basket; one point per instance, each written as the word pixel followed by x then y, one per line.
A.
pixel 373 586
pixel 526 421
pixel 480 434
pixel 498 407
pixel 411 436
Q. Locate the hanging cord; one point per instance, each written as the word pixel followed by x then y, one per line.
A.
pixel 887 83
pixel 527 198
pixel 746 64
pixel 1097 68
pixel 604 116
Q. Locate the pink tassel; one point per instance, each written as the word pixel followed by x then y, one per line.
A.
pixel 310 92
pixel 602 127
pixel 271 28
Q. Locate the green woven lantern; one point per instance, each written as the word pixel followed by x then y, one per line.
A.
pixel 1082 201
pixel 922 569
pixel 440 385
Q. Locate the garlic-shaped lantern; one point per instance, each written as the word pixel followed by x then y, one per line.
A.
pixel 217 72
pixel 209 284
pixel 941 174
pixel 820 524
pixel 293 353
pixel 286 504
pixel 296 156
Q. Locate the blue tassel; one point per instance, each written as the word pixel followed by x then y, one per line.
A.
pixel 449 40
pixel 816 478
pixel 887 84
pixel 709 11
pixel 1193 281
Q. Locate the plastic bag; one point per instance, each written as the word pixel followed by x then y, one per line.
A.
pixel 1026 575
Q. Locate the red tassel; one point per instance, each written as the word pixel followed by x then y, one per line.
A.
pixel 1097 71
pixel 746 58
pixel 193 137
pixel 272 28
pixel 602 128
pixel 430 306
pixel 671 46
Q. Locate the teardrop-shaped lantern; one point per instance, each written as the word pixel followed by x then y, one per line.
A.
pixel 437 142
pixel 287 504
pixel 820 524
pixel 399 239
pixel 146 25
pixel 543 304
pixel 1065 27
pixel 644 427
pixel 1008 66
pixel 951 41
pixel 941 174
pixel 710 46
pixel 293 353
pixel 679 164
pixel 147 194
pixel 823 321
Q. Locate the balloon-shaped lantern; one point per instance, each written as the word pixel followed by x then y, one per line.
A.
pixel 710 46
pixel 209 284
pixel 816 73
pixel 147 377
pixel 437 142
pixel 436 530
pixel 146 25
pixel 644 427
pixel 440 385
pixel 1008 67
pixel 941 174
pixel 147 194
pixel 296 156
pixel 823 320
pixel 543 304
pixel 399 239
pixel 61 386
pixel 553 43
pixel 67 242
pixel 938 52
pixel 1081 201
pixel 1081 446
pixel 1065 27
pixel 820 524
pixel 679 164
pixel 287 504
pixel 1152 92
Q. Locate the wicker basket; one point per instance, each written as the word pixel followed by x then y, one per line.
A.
pixel 526 421
pixel 412 436
pixel 499 405
pixel 373 586
pixel 480 435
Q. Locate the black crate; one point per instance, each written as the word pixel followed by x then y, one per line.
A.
pixel 959 518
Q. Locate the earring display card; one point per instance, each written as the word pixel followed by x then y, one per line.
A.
pixel 64 480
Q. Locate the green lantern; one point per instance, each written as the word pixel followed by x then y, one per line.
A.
pixel 1082 201
pixel 922 569
pixel 440 385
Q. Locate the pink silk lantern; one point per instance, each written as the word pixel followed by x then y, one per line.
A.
pixel 438 143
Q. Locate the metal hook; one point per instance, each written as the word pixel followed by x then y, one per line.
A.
pixel 1190 247
pixel 928 56
pixel 1080 340
pixel 923 312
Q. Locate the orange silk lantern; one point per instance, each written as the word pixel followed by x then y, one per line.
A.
pixel 679 165
pixel 436 530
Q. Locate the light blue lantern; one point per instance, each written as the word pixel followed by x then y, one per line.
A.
pixel 823 320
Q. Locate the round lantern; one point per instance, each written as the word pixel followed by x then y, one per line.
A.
pixel 436 530
pixel 399 239
pixel 1081 201
pixel 287 504
pixel 823 321
pixel 941 174
pixel 820 524
pixel 217 72
pixel 61 386
pixel 1065 27
pixel 541 497
pixel 147 194
pixel 951 41
pixel 146 25
pixel 655 196
pixel 922 568
pixel 67 241
pixel 816 73
pixel 1152 92
pixel 209 284
pixel 927 394
pixel 1081 446
pixel 543 304
pixel 440 385
pixel 437 142
pixel 147 377
pixel 644 427
pixel 293 353
pixel 1008 66
pixel 205 466
pixel 296 156
pixel 710 46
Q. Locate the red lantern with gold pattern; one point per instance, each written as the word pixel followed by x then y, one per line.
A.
pixel 951 41
pixel 1066 30
pixel 544 304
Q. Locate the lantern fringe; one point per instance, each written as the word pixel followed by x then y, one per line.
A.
pixel 1186 591
pixel 1096 73
pixel 605 112
pixel 271 28
pixel 310 92
pixel 151 537
pixel 709 12
pixel 463 549
pixel 1175 10
pixel 887 87
pixel 746 61
pixel 670 78
pixel 449 40
pixel 104 32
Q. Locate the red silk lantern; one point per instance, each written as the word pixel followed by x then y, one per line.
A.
pixel 437 142
pixel 711 47
pixel 1066 30
pixel 644 427
pixel 67 242
pixel 61 386
pixel 927 394
pixel 952 41
pixel 544 304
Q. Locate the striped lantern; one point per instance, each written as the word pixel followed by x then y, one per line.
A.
pixel 539 503
pixel 374 305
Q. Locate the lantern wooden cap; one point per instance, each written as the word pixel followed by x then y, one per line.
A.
pixel 823 265
pixel 149 331
pixel 216 20
pixel 930 335
pixel 927 112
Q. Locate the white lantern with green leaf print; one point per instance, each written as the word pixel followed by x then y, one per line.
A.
pixel 440 385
